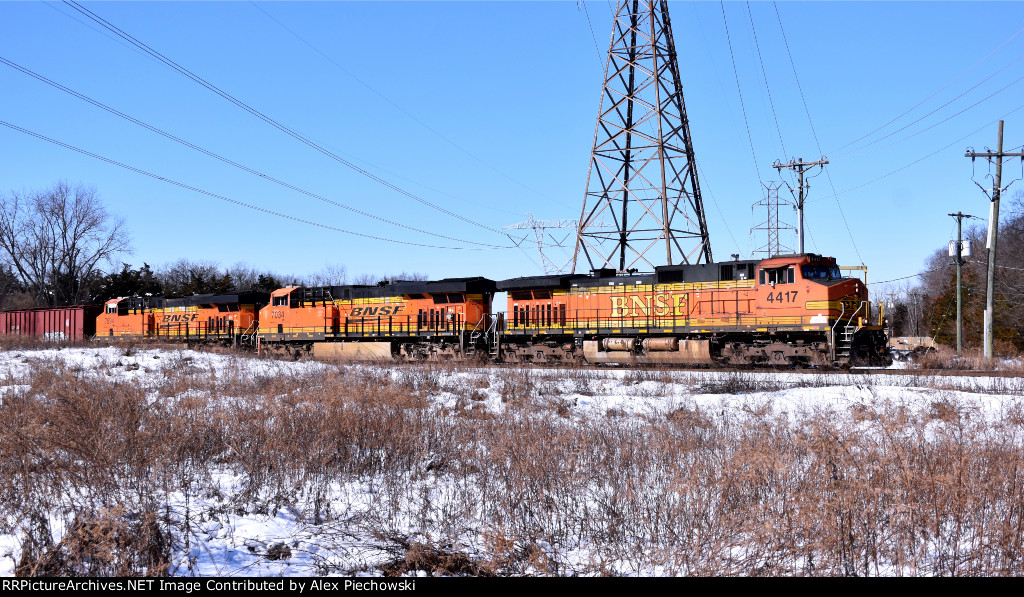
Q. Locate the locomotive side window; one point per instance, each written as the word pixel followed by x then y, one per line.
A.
pixel 778 275
pixel 281 301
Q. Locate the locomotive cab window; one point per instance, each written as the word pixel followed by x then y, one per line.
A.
pixel 820 272
pixel 778 275
pixel 281 301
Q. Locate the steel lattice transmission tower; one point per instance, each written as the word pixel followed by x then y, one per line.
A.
pixel 543 239
pixel 773 225
pixel 643 176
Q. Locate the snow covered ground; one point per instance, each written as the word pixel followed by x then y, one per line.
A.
pixel 218 533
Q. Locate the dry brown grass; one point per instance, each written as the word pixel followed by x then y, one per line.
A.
pixel 972 359
pixel 877 489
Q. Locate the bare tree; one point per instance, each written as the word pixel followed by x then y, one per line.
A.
pixel 247 277
pixel 373 279
pixel 185 278
pixel 53 241
pixel 331 275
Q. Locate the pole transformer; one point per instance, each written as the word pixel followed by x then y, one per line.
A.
pixel 800 166
pixel 959 254
pixel 642 178
pixel 993 234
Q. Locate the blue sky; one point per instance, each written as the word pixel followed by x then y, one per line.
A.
pixel 487 111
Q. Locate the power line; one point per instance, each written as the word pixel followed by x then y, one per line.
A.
pixel 919 160
pixel 101 32
pixel 592 34
pixel 739 90
pixel 932 271
pixel 400 108
pixel 229 161
pixel 764 73
pixel 803 98
pixel 903 128
pixel 904 277
pixel 228 199
pixel 295 135
pixel 944 87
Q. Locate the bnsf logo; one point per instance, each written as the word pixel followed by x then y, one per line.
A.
pixel 368 311
pixel 634 306
pixel 180 317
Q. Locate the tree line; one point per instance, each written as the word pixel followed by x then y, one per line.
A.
pixel 60 246
pixel 927 306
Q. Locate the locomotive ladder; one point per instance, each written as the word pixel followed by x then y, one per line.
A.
pixel 844 344
pixel 249 335
pixel 486 328
pixel 493 337
pixel 843 348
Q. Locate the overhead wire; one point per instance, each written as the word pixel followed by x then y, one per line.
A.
pixel 764 73
pixel 228 161
pixel 941 149
pixel 396 106
pixel 944 87
pixel 283 128
pixel 803 98
pixel 593 36
pixel 903 128
pixel 735 71
pixel 228 199
pixel 99 31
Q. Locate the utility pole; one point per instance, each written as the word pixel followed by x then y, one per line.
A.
pixel 993 233
pixel 959 254
pixel 800 166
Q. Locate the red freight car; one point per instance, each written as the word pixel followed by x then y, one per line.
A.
pixel 74 322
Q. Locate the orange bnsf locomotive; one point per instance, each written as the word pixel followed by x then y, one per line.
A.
pixel 410 320
pixel 787 310
pixel 228 318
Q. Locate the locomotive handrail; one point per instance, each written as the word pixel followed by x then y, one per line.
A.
pixel 848 321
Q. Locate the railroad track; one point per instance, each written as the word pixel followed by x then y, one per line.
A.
pixel 712 369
